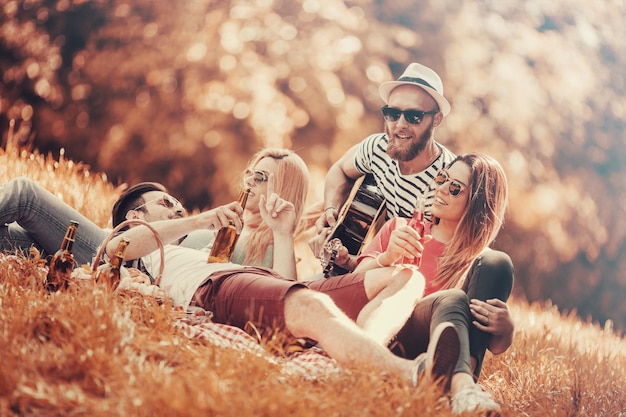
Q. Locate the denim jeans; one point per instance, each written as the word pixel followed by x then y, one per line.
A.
pixel 32 216
pixel 491 276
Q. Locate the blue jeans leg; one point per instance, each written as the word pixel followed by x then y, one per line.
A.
pixel 13 237
pixel 43 218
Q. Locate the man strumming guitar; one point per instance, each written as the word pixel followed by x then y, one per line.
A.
pixel 402 161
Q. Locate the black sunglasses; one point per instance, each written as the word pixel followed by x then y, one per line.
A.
pixel 258 176
pixel 414 117
pixel 455 186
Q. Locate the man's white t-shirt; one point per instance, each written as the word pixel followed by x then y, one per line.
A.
pixel 184 271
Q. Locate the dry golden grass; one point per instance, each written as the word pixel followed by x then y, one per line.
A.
pixel 89 193
pixel 93 353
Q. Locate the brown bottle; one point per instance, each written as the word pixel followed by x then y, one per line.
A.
pixel 62 263
pixel 109 274
pixel 226 239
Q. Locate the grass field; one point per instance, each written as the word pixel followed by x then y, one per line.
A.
pixel 89 352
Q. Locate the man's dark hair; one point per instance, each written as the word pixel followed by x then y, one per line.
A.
pixel 131 198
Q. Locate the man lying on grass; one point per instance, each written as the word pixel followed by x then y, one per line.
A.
pixel 325 311
pixel 35 210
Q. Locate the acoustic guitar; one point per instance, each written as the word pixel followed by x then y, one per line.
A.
pixel 360 217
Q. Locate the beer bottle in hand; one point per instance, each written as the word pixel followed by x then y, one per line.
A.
pixel 226 239
pixel 62 263
pixel 109 274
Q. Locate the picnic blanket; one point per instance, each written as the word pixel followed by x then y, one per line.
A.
pixel 309 363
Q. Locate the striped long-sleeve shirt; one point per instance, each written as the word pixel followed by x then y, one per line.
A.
pixel 400 191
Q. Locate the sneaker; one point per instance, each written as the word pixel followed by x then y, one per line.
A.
pixel 421 364
pixel 473 398
pixel 441 357
pixel 444 348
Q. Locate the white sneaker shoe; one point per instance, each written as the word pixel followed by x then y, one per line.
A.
pixel 473 398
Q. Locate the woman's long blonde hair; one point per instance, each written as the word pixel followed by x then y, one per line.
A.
pixel 292 184
pixel 481 221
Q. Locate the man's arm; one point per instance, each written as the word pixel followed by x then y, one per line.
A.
pixel 142 241
pixel 339 181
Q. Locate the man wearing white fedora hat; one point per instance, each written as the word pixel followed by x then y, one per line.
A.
pixel 403 160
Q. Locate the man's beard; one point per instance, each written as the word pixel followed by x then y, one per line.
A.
pixel 408 151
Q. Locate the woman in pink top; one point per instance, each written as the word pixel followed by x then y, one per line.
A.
pixel 458 265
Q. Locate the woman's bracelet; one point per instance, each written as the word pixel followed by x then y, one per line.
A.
pixel 378 261
pixel 329 208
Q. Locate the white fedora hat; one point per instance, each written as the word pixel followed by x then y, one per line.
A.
pixel 420 76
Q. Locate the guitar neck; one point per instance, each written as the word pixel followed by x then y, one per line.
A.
pixel 360 216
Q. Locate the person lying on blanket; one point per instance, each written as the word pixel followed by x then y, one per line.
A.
pixel 352 317
pixel 33 217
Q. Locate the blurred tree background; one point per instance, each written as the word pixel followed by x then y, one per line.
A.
pixel 184 92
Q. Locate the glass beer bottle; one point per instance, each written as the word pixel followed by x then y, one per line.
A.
pixel 417 223
pixel 226 239
pixel 62 262
pixel 109 274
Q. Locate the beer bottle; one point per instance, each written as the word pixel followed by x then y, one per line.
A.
pixel 62 263
pixel 226 239
pixel 109 274
pixel 417 223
